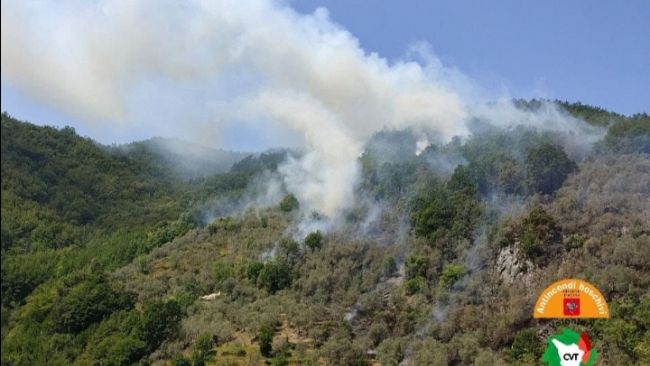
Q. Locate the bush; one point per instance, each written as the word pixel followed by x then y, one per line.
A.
pixel 118 349
pixel 280 359
pixel 227 224
pixel 181 360
pixel 265 338
pixel 414 285
pixel 275 276
pixel 253 271
pixel 224 270
pixel 159 321
pixel 430 352
pixel 314 240
pixel 539 231
pixel 453 209
pixel 339 350
pixel 547 166
pixel 289 203
pixel 85 303
pixel 203 348
pixel 525 345
pixel 416 265
pixel 289 249
pixel 630 135
pixel 390 267
pixel 450 274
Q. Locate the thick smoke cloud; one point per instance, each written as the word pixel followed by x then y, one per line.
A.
pixel 254 60
pixel 198 66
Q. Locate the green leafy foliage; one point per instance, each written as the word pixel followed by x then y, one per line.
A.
pixel 526 346
pixel 414 285
pixel 629 135
pixel 538 232
pixel 547 167
pixel 203 349
pixel 107 258
pixel 450 210
pixel 591 114
pixel 275 276
pixel 417 265
pixel 314 240
pixel 289 203
pixel 82 302
pixel 159 321
pixel 450 274
pixel 265 338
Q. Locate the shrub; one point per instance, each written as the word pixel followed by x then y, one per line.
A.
pixel 629 136
pixel 159 321
pixel 275 276
pixel 547 166
pixel 118 349
pixel 414 285
pixel 227 224
pixel 253 271
pixel 452 209
pixel 289 249
pixel 314 240
pixel 280 359
pixel 203 348
pixel 450 274
pixel 265 338
pixel 224 270
pixel 525 344
pixel 539 230
pixel 416 265
pixel 289 203
pixel 85 303
pixel 180 360
pixel 390 267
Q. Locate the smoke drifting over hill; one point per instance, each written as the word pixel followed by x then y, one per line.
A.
pixel 219 64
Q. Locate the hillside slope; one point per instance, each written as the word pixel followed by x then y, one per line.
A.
pixel 107 256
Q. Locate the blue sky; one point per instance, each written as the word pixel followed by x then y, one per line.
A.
pixel 593 51
pixel 596 52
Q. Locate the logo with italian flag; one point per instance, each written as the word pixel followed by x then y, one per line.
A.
pixel 569 348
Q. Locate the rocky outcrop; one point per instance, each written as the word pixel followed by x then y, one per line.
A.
pixel 512 266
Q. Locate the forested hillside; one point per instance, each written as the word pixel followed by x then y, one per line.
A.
pixel 112 255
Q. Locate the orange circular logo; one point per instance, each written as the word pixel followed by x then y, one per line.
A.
pixel 571 298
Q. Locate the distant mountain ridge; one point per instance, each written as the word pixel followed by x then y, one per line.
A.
pixel 182 158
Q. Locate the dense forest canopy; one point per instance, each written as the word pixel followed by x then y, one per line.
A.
pixel 139 254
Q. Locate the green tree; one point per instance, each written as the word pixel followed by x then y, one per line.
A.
pixel 289 203
pixel 159 321
pixel 253 271
pixel 450 274
pixel 202 349
pixel 414 285
pixel 86 302
pixel 416 265
pixel 539 231
pixel 275 276
pixel 526 345
pixel 452 209
pixel 314 240
pixel 547 166
pixel 180 360
pixel 265 338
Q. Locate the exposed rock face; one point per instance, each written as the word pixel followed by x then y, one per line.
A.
pixel 512 266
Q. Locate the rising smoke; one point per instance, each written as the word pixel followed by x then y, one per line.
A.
pixel 212 64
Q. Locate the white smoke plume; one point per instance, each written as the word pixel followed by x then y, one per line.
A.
pixel 195 67
pixel 249 59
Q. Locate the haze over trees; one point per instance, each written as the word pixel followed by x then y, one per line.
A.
pixel 112 257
